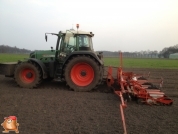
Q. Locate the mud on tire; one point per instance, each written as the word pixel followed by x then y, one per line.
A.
pixel 27 75
pixel 82 73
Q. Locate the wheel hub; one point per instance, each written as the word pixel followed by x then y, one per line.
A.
pixel 29 75
pixel 83 73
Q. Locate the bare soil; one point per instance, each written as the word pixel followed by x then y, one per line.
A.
pixel 54 109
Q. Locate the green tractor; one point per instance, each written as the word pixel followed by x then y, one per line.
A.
pixel 73 61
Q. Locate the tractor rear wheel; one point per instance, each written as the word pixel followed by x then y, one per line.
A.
pixel 82 73
pixel 27 75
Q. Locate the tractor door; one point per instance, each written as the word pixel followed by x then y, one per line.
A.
pixel 68 43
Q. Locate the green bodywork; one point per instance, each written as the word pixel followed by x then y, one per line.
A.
pixel 68 43
pixel 44 55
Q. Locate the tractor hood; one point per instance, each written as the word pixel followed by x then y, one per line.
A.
pixel 43 55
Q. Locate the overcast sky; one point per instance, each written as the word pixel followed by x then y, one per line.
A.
pixel 126 25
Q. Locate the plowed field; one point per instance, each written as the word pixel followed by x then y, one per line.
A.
pixel 54 109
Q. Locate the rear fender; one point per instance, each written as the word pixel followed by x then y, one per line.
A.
pixel 41 65
pixel 89 53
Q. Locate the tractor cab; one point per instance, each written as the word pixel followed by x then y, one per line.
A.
pixel 72 41
pixel 75 41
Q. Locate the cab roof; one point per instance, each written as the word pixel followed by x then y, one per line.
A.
pixel 78 32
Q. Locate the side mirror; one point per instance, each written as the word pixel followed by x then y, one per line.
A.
pixel 52 49
pixel 46 37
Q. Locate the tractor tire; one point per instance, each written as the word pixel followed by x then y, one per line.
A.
pixel 101 76
pixel 27 75
pixel 82 73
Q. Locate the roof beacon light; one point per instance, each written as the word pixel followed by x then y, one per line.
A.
pixel 77 25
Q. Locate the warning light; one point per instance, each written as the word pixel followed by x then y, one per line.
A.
pixel 77 25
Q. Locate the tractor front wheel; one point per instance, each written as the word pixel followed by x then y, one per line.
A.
pixel 27 75
pixel 82 73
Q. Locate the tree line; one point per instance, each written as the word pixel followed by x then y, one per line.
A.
pixel 167 51
pixel 8 49
pixel 164 53
pixel 140 54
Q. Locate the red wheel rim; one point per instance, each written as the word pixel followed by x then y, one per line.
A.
pixel 82 74
pixel 27 75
